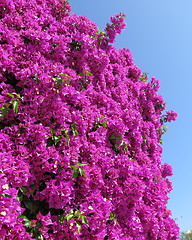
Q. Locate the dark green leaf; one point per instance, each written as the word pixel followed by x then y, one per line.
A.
pixel 75 173
pixel 6 195
pixel 23 190
pixel 65 134
pixel 4 110
pixel 32 187
pixel 56 139
pixel 114 138
pixel 50 142
pixel 60 168
pixel 31 205
pixel 20 131
pixel 56 212
pixel 61 218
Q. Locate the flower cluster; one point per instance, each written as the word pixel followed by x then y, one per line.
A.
pixel 118 24
pixel 80 131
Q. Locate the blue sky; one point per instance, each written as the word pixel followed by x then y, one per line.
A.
pixel 159 35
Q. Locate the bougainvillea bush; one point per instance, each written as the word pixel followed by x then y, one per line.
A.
pixel 80 131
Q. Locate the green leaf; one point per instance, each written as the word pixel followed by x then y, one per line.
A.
pixel 101 32
pixel 78 170
pixel 22 216
pixel 78 225
pixel 51 131
pixel 20 131
pixel 75 45
pixel 81 171
pixel 59 168
pixel 15 106
pixel 65 134
pixel 61 218
pixel 84 220
pixel 101 122
pixel 73 126
pixel 125 146
pixel 81 164
pixel 75 132
pixel 78 218
pixel 50 142
pixel 114 141
pixel 69 216
pixel 112 217
pixel 6 195
pixel 10 95
pixel 88 73
pixel 62 78
pixel 14 95
pixel 23 190
pixel 31 205
pixel 104 124
pixel 58 80
pixel 143 77
pixel 75 174
pixel 4 110
pixel 16 101
pixel 32 187
pixel 74 167
pixel 114 138
pixel 56 139
pixel 164 128
pixel 27 221
pixel 62 74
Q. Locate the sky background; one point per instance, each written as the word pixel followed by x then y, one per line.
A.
pixel 159 35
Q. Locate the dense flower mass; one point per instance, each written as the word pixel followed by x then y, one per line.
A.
pixel 80 131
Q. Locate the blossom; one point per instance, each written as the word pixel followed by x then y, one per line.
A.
pixel 171 116
pixel 166 170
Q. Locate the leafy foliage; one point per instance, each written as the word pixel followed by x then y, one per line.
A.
pixel 185 235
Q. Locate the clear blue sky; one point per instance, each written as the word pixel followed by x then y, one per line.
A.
pixel 159 35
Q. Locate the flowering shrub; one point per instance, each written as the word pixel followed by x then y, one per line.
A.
pixel 80 131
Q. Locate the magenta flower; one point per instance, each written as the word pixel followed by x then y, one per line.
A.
pixel 80 131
